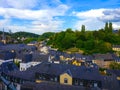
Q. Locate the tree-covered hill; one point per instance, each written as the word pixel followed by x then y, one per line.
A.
pixel 25 37
pixel 99 41
pixel 46 35
pixel 25 34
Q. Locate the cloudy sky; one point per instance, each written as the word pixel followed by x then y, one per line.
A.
pixel 39 16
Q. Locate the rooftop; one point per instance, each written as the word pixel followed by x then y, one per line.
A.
pixel 57 69
pixel 52 86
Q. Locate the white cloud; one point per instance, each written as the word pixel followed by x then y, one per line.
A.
pixel 37 27
pixel 94 13
pixel 29 4
pixel 95 18
pixel 33 14
pixel 20 4
pixel 112 15
pixel 49 26
pixel 42 20
pixel 116 25
pixel 4 22
pixel 91 24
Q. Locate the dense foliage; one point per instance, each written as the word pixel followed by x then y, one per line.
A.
pixel 46 35
pixel 20 37
pixel 99 41
pixel 115 66
pixel 25 37
pixel 25 34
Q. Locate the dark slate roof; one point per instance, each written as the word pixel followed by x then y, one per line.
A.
pixel 116 72
pixel 33 42
pixel 6 55
pixel 17 47
pixel 68 72
pixel 37 56
pixel 77 55
pixel 107 56
pixel 57 69
pixel 88 57
pixel 110 82
pixel 116 46
pixel 53 52
pixel 116 58
pixel 32 56
pixel 8 67
pixel 1 43
pixel 52 86
pixel 66 55
pixel 56 58
pixel 27 57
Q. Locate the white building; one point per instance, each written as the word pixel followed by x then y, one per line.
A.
pixel 25 66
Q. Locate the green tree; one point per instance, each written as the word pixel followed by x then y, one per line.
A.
pixel 110 27
pixel 69 40
pixel 89 44
pixel 79 44
pixel 106 27
pixel 114 66
pixel 83 28
pixel 119 32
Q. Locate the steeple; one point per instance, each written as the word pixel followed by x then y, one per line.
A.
pixel 3 37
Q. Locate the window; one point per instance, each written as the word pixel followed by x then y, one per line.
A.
pixel 55 79
pixel 40 77
pixel 95 84
pixel 51 79
pixel 76 82
pixel 81 83
pixel 65 80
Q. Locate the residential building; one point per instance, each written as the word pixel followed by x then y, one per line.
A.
pixel 103 60
pixel 52 86
pixel 3 37
pixel 62 74
pixel 33 43
pixel 116 48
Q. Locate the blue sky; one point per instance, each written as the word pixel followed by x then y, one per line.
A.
pixel 39 16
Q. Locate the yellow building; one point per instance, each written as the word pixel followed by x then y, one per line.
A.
pixel 66 78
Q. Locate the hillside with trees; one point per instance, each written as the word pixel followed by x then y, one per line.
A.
pixel 25 37
pixel 99 41
pixel 25 34
pixel 19 37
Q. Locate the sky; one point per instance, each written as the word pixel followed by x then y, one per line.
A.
pixel 39 16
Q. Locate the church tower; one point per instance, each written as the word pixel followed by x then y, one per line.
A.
pixel 3 37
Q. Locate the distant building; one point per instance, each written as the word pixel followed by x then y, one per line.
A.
pixel 44 49
pixel 27 62
pixel 116 47
pixel 3 37
pixel 33 43
pixel 103 60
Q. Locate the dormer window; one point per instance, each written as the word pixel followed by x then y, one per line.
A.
pixel 65 80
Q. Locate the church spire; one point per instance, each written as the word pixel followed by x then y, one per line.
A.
pixel 3 37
